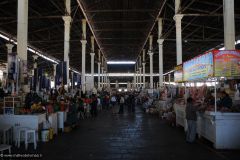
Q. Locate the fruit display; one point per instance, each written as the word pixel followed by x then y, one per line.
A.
pixel 25 111
pixel 37 108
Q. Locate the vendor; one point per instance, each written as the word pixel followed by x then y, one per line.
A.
pixel 225 101
pixel 209 99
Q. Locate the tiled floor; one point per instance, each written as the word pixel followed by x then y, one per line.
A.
pixel 130 136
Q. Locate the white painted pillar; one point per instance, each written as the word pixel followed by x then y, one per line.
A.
pixel 84 42
pixel 105 78
pixel 229 24
pixel 35 57
pixel 9 51
pixel 144 83
pixel 169 78
pixel 22 38
pixel 160 48
pixel 102 75
pixel 134 77
pixel 99 70
pixel 178 20
pixel 137 79
pixel 54 74
pixel 116 84
pixel 151 69
pixel 67 25
pixel 150 53
pixel 164 80
pixel 92 69
pixel 140 77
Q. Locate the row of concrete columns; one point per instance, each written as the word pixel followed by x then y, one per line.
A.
pixel 229 40
pixel 22 32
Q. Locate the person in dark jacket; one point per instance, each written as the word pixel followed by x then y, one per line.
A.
pixel 225 101
pixel 94 106
pixel 191 116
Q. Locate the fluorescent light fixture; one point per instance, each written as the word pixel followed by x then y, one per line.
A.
pixel 4 37
pixel 121 62
pixel 168 72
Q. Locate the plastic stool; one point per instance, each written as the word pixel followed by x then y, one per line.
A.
pixel 27 134
pixel 4 147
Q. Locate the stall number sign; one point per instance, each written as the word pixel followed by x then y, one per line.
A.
pixel 227 63
pixel 198 68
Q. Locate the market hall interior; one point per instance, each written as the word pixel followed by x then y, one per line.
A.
pixel 120 79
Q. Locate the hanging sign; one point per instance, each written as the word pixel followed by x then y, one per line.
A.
pixel 198 68
pixel 178 73
pixel 227 63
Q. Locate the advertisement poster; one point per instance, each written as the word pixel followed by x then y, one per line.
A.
pixel 227 63
pixel 199 67
pixel 178 74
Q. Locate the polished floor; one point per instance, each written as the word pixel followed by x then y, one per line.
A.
pixel 129 136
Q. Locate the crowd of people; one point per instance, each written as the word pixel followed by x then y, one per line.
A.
pixel 89 105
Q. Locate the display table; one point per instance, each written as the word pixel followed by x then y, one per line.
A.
pixel 54 122
pixel 180 115
pixel 33 121
pixel 223 129
pixel 62 117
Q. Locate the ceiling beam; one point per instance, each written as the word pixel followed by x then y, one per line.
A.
pixel 120 21
pixel 119 10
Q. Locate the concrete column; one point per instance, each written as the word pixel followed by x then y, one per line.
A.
pixel 140 77
pixel 137 79
pixel 54 73
pixel 9 51
pixel 151 69
pixel 22 38
pixel 134 80
pixel 160 46
pixel 105 78
pixel 35 57
pixel 143 64
pixel 116 84
pixel 150 53
pixel 67 24
pixel 102 73
pixel 92 69
pixel 99 70
pixel 169 78
pixel 164 80
pixel 178 20
pixel 84 42
pixel 229 24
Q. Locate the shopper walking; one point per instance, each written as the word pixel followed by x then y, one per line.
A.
pixel 113 103
pixel 94 106
pixel 191 116
pixel 122 101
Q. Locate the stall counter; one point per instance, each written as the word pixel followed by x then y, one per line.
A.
pixel 180 115
pixel 223 129
pixel 33 121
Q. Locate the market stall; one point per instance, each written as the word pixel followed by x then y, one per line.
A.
pixel 217 123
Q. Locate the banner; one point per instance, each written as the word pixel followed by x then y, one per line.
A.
pixel 61 73
pixel 227 63
pixel 178 74
pixel 198 68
